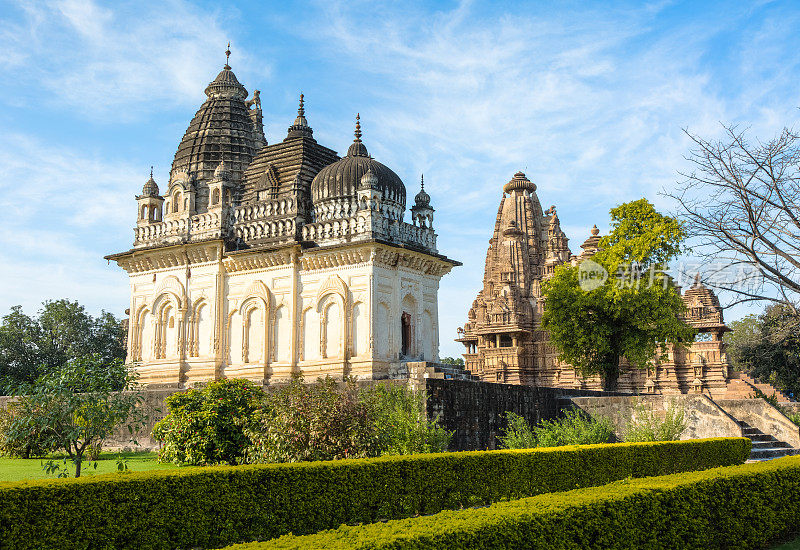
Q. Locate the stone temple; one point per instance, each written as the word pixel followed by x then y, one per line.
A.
pixel 262 261
pixel 503 337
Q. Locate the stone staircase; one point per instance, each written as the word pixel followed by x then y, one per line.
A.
pixel 742 386
pixel 765 446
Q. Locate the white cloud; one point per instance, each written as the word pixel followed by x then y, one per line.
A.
pixel 115 61
pixel 62 212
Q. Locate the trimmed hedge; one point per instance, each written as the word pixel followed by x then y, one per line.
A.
pixel 215 506
pixel 734 507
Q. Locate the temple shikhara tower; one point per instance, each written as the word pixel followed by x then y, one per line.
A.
pixel 261 261
pixel 503 337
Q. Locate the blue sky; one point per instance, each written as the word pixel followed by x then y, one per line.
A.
pixel 588 98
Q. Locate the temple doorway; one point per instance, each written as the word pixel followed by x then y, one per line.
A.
pixel 405 331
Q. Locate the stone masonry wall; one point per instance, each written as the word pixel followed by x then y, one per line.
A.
pixel 704 418
pixel 474 410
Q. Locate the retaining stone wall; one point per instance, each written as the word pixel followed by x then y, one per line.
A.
pixel 474 410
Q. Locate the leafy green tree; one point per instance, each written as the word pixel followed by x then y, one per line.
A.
pixel 632 310
pixel 453 361
pixel 767 347
pixel 62 331
pixel 75 407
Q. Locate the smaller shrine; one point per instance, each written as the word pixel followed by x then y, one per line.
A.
pixel 503 336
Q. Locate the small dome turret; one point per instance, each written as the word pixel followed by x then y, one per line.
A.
pixel 300 127
pixel 150 188
pixel 369 180
pixel 221 172
pixel 423 200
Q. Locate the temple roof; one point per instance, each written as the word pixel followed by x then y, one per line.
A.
pixel 703 310
pixel 221 129
pixel 280 165
pixel 342 178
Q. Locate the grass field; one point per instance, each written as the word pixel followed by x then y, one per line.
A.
pixel 19 469
pixel 794 545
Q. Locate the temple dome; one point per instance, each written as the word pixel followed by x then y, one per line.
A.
pixel 222 127
pixel 342 179
pixel 226 85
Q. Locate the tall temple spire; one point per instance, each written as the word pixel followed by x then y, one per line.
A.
pixel 228 56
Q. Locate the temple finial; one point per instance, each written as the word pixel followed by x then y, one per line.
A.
pixel 422 181
pixel 151 172
pixel 228 56
pixel 358 127
pixel 301 111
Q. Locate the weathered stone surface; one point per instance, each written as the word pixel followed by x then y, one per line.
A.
pixel 704 418
pixel 763 416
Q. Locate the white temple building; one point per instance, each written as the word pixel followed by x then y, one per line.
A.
pixel 264 261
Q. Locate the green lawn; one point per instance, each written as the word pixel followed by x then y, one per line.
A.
pixel 18 469
pixel 794 545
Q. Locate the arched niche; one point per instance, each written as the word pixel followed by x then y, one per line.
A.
pixel 408 326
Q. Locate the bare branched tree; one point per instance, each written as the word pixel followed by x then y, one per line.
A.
pixel 741 206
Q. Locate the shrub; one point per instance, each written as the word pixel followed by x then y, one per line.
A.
pixel 647 425
pixel 574 428
pixel 329 421
pixel 213 506
pixel 517 434
pixel 234 421
pixel 402 423
pixel 27 443
pixel 714 509
pixel 302 422
pixel 206 426
pixel 736 507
